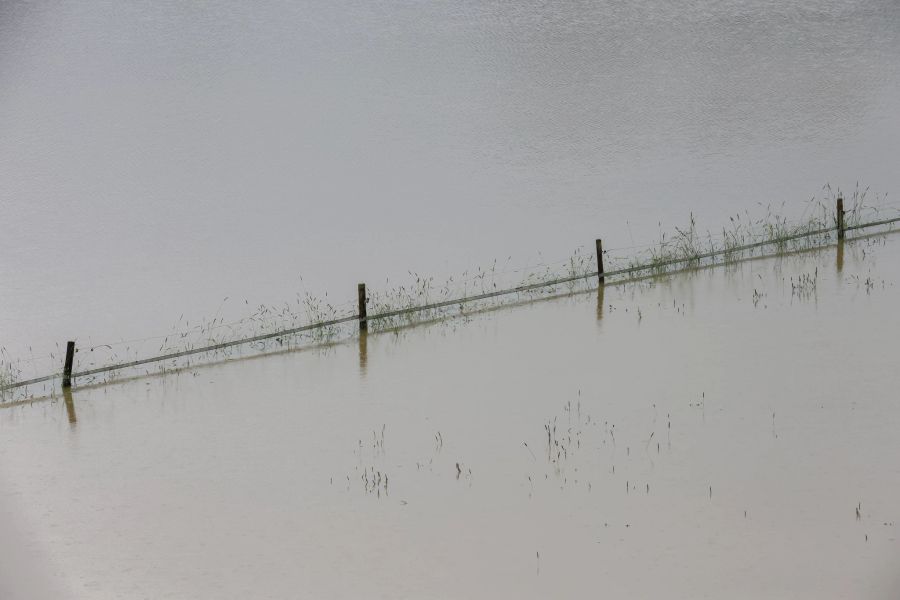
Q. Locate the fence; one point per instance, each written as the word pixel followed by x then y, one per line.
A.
pixel 686 258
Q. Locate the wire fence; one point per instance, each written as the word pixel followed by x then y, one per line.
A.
pixel 685 250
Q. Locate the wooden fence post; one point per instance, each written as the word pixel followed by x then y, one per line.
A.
pixel 840 216
pixel 361 298
pixel 67 367
pixel 600 277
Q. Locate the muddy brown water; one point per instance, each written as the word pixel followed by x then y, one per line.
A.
pixel 729 432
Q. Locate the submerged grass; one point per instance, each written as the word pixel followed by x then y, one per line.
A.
pixel 397 305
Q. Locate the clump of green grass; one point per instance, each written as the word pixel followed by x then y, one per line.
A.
pixel 15 370
pixel 186 336
pixel 687 247
pixel 9 374
pixel 857 208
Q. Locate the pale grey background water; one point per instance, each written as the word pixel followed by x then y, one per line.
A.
pixel 158 157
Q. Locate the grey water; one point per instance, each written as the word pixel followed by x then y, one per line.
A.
pixel 158 158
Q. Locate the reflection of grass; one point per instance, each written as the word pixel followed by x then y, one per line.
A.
pixel 804 286
pixel 396 305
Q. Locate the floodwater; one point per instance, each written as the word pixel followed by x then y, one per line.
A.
pixel 729 432
pixel 160 157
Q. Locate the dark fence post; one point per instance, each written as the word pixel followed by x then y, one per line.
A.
pixel 840 216
pixel 67 368
pixel 600 277
pixel 361 297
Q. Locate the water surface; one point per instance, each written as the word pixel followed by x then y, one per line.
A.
pixel 158 158
pixel 725 433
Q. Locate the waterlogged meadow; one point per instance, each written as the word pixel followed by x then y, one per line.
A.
pixel 729 431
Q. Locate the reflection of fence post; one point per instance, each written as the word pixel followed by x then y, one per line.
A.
pixel 67 368
pixel 840 216
pixel 600 261
pixel 840 256
pixel 363 350
pixel 70 405
pixel 600 289
pixel 361 298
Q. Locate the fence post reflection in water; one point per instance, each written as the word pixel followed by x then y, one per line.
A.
pixel 600 302
pixel 70 405
pixel 363 351
pixel 840 255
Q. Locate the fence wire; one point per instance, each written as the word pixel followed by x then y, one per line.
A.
pixel 657 266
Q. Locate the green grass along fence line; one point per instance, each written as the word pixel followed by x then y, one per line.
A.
pixel 659 263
